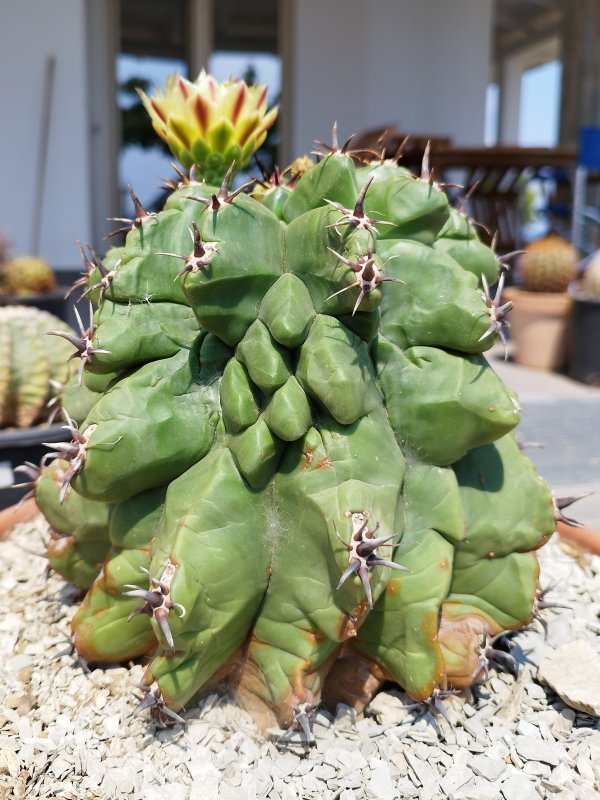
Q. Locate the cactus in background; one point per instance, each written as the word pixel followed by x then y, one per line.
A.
pixel 312 480
pixel 31 364
pixel 26 276
pixel 548 264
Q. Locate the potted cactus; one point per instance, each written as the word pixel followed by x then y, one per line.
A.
pixel 542 305
pixel 32 369
pixel 301 479
pixel 29 280
pixel 584 353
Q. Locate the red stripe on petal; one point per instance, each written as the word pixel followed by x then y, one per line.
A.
pixel 201 112
pixel 183 88
pixel 212 88
pixel 262 98
pixel 158 110
pixel 239 103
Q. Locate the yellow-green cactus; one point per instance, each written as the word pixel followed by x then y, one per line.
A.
pixel 32 365
pixel 548 264
pixel 26 276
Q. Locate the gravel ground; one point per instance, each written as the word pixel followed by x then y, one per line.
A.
pixel 68 733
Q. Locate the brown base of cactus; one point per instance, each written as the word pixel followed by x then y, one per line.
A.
pixel 539 327
pixel 354 680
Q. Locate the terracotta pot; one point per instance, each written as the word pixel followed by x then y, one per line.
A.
pixel 9 517
pixel 585 538
pixel 539 327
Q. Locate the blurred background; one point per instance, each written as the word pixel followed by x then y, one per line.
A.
pixel 502 88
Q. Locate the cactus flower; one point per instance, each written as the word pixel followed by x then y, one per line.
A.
pixel 210 124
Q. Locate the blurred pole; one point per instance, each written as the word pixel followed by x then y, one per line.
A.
pixel 200 30
pixel 42 157
pixel 102 48
pixel 580 95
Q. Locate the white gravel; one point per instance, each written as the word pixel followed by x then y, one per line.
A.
pixel 69 734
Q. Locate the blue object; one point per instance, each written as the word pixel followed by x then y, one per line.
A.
pixel 589 148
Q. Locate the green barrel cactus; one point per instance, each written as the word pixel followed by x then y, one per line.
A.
pixel 32 365
pixel 299 477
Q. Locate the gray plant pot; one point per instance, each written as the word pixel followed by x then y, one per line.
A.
pixel 584 350
pixel 18 445
pixel 54 302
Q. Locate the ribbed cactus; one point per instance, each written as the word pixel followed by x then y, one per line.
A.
pixel 301 480
pixel 31 365
pixel 548 264
pixel 26 276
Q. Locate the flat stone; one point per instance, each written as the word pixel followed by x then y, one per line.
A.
pixel 388 708
pixel 536 691
pixel 462 739
pixel 456 777
pixel 352 758
pixel 537 769
pixel 406 789
pixel 479 789
pixel 322 718
pixel 526 728
pixel 345 717
pixel 560 778
pixel 476 729
pixel 489 768
pixel 310 783
pixel 572 671
pixel 425 774
pixel 380 785
pixel 518 787
pixel 530 748
pixel 352 780
pixel 585 769
pixel 325 772
pixel 586 793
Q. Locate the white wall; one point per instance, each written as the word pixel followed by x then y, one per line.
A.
pixel 30 31
pixel 423 64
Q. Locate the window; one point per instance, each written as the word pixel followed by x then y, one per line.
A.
pixel 492 109
pixel 540 105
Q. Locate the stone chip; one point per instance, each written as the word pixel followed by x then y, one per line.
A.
pixel 572 671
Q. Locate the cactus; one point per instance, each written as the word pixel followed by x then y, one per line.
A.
pixel 31 365
pixel 26 276
pixel 548 264
pixel 301 479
